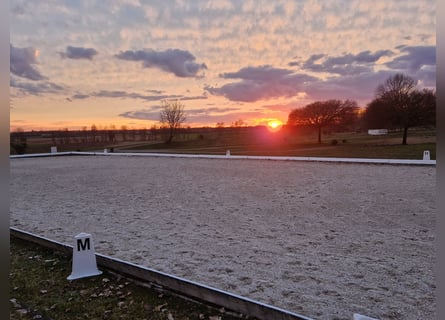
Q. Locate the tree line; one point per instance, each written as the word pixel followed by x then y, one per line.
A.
pixel 398 104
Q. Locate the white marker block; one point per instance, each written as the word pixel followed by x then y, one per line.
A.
pixel 228 153
pixel 362 317
pixel 105 150
pixel 84 258
pixel 426 155
pixel 53 149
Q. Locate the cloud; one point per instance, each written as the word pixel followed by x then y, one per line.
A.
pixel 414 58
pixel 358 87
pixel 80 96
pixel 123 95
pixel 201 97
pixel 151 113
pixel 201 115
pixel 133 95
pixel 211 110
pixel 78 53
pixel 36 88
pixel 179 62
pixel 347 64
pixel 353 76
pixel 261 83
pixel 21 61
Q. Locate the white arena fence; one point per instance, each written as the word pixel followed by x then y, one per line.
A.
pixel 234 157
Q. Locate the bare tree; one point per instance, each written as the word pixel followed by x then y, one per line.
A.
pixel 172 116
pixel 322 114
pixel 397 88
pixel 402 105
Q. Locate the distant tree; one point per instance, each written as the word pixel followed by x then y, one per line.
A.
pixel 238 123
pixel 132 134
pixel 124 132
pixel 64 136
pixel 112 134
pixel 172 116
pixel 399 104
pixel 322 114
pixel 93 132
pixel 143 134
pixel 84 134
pixel 18 141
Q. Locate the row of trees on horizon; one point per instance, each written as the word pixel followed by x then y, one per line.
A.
pixel 398 104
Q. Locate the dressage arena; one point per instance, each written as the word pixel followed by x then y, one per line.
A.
pixel 325 240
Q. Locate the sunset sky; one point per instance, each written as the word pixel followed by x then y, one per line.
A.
pixel 78 63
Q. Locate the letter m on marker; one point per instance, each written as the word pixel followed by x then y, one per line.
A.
pixel 83 245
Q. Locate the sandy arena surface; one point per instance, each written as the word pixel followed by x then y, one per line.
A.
pixel 321 239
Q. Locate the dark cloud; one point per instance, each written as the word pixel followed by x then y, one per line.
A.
pixel 80 96
pixel 368 57
pixel 179 62
pixel 201 115
pixel 132 95
pixel 261 73
pixel 155 91
pixel 261 83
pixel 414 58
pixel 211 110
pixel 36 88
pixel 314 57
pixel 201 97
pixel 78 53
pixel 353 76
pixel 151 113
pixel 21 61
pixel 348 64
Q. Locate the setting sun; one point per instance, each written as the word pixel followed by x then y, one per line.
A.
pixel 274 124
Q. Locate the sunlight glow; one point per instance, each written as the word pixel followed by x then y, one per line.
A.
pixel 274 125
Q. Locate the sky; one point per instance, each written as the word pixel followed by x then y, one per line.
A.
pixel 111 63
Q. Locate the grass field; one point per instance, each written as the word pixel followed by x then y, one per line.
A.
pixel 39 289
pixel 260 141
pixel 344 145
